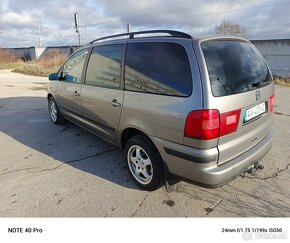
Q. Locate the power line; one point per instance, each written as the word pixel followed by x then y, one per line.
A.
pixel 178 11
pixel 138 12
pixel 219 12
pixel 158 11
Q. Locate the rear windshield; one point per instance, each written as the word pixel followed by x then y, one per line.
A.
pixel 234 67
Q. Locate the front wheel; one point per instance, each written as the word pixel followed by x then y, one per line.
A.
pixel 144 163
pixel 54 113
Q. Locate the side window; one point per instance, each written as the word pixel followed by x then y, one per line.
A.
pixel 104 68
pixel 72 69
pixel 158 68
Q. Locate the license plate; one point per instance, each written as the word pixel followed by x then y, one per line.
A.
pixel 254 112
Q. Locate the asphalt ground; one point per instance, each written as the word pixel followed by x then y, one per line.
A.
pixel 64 171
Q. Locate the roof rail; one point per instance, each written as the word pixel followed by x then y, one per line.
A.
pixel 131 35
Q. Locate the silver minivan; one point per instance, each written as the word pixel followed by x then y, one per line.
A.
pixel 181 108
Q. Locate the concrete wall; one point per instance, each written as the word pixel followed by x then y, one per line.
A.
pixel 27 53
pixel 33 53
pixel 64 50
pixel 276 54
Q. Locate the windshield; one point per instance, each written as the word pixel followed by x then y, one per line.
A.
pixel 234 67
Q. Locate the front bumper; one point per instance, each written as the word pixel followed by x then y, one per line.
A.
pixel 200 166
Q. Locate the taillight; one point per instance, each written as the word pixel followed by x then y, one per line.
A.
pixel 272 99
pixel 229 122
pixel 202 124
pixel 210 124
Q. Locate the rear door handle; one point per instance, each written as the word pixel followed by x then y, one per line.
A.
pixel 76 93
pixel 115 103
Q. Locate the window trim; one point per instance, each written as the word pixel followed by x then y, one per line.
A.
pixel 121 86
pixel 144 92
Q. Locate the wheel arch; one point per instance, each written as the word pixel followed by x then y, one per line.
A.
pixel 130 132
pixel 49 95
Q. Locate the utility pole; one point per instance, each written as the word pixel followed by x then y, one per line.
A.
pixel 86 29
pixel 77 25
pixel 128 27
pixel 39 32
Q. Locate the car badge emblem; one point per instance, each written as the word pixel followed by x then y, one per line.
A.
pixel 258 95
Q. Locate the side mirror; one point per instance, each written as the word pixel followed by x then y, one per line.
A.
pixel 53 76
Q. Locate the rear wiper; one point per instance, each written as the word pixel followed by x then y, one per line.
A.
pixel 259 84
pixel 228 91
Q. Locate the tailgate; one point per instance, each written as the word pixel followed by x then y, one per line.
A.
pixel 239 82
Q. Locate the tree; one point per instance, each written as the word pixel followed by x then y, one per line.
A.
pixel 229 28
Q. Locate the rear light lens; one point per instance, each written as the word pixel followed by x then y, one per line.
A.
pixel 202 124
pixel 210 124
pixel 229 122
pixel 272 100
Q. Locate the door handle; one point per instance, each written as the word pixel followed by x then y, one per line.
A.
pixel 76 93
pixel 115 103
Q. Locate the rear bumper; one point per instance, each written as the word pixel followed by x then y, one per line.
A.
pixel 202 168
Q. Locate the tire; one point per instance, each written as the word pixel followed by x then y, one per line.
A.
pixel 144 163
pixel 54 113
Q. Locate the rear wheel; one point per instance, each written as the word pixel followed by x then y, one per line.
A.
pixel 54 113
pixel 144 163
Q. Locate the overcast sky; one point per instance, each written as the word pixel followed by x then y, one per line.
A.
pixel 263 19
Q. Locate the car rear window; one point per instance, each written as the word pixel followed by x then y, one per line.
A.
pixel 158 68
pixel 234 67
